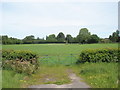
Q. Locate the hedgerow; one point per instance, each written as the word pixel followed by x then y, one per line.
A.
pixel 18 54
pixel 20 61
pixel 99 55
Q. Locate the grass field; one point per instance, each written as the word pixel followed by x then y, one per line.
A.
pixel 66 54
pixel 57 49
pixel 98 75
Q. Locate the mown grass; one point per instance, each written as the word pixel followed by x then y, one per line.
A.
pixel 65 54
pixel 58 49
pixel 98 75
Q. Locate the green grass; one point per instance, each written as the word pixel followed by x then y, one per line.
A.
pixel 10 79
pixel 57 49
pixel 49 75
pixel 58 53
pixel 98 75
pixel 45 75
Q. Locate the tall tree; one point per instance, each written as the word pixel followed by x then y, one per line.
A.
pixel 115 36
pixel 61 37
pixel 83 36
pixel 69 38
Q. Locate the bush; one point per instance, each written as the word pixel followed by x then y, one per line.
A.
pixel 99 55
pixel 20 61
pixel 21 55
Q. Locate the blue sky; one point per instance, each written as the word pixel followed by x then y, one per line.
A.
pixel 20 19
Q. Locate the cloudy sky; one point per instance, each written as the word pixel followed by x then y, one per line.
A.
pixel 44 17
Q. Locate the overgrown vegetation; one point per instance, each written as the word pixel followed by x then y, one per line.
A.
pixel 99 55
pixel 98 75
pixel 11 79
pixel 44 75
pixel 20 61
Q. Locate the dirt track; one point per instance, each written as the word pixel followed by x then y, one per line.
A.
pixel 76 83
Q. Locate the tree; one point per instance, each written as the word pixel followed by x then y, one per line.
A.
pixel 83 35
pixel 7 40
pixel 69 38
pixel 51 38
pixel 93 39
pixel 61 37
pixel 115 36
pixel 29 39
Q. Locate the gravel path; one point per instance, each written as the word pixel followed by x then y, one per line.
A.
pixel 76 83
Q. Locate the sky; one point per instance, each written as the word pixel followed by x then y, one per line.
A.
pixel 45 17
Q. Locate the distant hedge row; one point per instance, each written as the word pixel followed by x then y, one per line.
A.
pixel 20 61
pixel 99 55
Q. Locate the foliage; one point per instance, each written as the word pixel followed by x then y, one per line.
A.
pixel 51 38
pixel 18 55
pixel 20 61
pixel 61 37
pixel 105 40
pixel 93 39
pixel 99 55
pixel 20 67
pixel 69 38
pixel 7 40
pixel 115 36
pixel 83 36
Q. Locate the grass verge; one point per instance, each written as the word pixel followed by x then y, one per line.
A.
pixel 98 75
pixel 11 79
pixel 45 75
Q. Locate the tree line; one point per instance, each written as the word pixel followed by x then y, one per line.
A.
pixel 83 37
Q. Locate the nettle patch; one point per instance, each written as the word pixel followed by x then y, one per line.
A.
pixel 20 61
pixel 99 55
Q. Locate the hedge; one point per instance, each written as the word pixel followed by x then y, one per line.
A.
pixel 99 55
pixel 20 61
pixel 18 54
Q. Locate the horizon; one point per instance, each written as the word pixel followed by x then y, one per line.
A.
pixel 20 19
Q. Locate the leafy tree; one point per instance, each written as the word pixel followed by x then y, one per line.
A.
pixel 51 38
pixel 93 39
pixel 115 36
pixel 7 40
pixel 61 37
pixel 29 39
pixel 83 35
pixel 69 38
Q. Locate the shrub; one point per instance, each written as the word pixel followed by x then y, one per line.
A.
pixel 21 55
pixel 99 55
pixel 20 61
